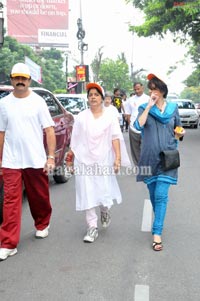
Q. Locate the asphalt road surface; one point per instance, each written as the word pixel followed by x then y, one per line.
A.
pixel 120 265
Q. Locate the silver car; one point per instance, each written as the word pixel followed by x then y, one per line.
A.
pixel 74 103
pixel 188 113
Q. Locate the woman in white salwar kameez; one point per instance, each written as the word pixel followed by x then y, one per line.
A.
pixel 96 147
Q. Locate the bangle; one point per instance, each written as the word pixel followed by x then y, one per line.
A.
pixel 51 157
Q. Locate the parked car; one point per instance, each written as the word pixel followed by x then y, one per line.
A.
pixel 63 128
pixel 197 106
pixel 188 113
pixel 74 103
pixel 171 96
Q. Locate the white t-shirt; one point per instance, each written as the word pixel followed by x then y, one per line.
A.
pixel 114 110
pixel 125 104
pixel 132 106
pixel 23 121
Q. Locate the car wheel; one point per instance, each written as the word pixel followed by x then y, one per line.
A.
pixel 196 126
pixel 61 174
pixel 1 204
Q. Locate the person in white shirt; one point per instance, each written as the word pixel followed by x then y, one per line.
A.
pixel 132 106
pixel 107 103
pixel 125 102
pixel 23 117
pixel 97 152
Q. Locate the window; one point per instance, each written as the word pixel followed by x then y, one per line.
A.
pixel 54 108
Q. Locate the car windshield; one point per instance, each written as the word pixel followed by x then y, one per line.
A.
pixel 185 105
pixel 72 104
pixel 4 93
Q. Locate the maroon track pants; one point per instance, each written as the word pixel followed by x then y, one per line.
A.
pixel 37 190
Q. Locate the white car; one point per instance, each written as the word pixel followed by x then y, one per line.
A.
pixel 74 103
pixel 188 113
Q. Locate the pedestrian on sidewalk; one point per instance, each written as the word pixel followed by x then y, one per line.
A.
pixel 157 120
pixel 23 116
pixel 98 149
pixel 131 110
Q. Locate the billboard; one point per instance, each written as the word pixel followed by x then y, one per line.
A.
pixel 38 22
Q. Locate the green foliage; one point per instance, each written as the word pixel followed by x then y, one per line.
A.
pixel 96 63
pixel 51 62
pixel 181 20
pixel 114 74
pixel 162 16
pixel 194 78
pixel 192 93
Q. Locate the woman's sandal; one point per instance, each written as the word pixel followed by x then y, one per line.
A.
pixel 157 246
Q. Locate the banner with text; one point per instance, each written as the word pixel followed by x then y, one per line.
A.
pixel 35 70
pixel 38 22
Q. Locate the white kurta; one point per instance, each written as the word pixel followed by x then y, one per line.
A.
pixel 91 142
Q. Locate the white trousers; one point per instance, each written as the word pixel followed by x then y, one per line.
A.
pixel 92 217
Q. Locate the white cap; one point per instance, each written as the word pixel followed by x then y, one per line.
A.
pixel 20 69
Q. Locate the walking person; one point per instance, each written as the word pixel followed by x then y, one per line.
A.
pixel 96 145
pixel 158 120
pixel 125 103
pixel 131 111
pixel 107 103
pixel 118 103
pixel 23 116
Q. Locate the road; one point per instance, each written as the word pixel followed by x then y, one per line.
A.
pixel 120 265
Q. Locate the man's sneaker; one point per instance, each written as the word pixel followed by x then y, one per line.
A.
pixel 42 233
pixel 91 236
pixel 105 219
pixel 5 253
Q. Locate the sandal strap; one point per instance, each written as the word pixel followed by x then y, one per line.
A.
pixel 157 243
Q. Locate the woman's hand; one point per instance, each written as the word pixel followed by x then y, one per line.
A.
pixel 179 132
pixel 117 165
pixel 153 99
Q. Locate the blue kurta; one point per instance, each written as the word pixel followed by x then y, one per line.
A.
pixel 157 135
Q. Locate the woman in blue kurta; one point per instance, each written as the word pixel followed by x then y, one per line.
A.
pixel 157 120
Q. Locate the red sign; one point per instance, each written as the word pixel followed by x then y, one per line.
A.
pixel 38 22
pixel 82 73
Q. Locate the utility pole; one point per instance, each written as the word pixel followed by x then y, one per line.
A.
pixel 1 25
pixel 82 46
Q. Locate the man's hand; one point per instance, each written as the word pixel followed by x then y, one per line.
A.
pixel 49 166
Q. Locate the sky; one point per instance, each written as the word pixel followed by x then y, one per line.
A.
pixel 106 24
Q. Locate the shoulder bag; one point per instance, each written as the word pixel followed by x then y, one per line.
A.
pixel 170 159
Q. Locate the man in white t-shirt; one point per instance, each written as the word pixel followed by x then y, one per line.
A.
pixel 23 116
pixel 132 106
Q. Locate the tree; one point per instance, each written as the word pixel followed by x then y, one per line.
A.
pixel 51 62
pixel 96 64
pixel 162 16
pixel 191 93
pixel 182 18
pixel 114 74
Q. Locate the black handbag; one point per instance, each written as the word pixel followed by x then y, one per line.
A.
pixel 170 159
